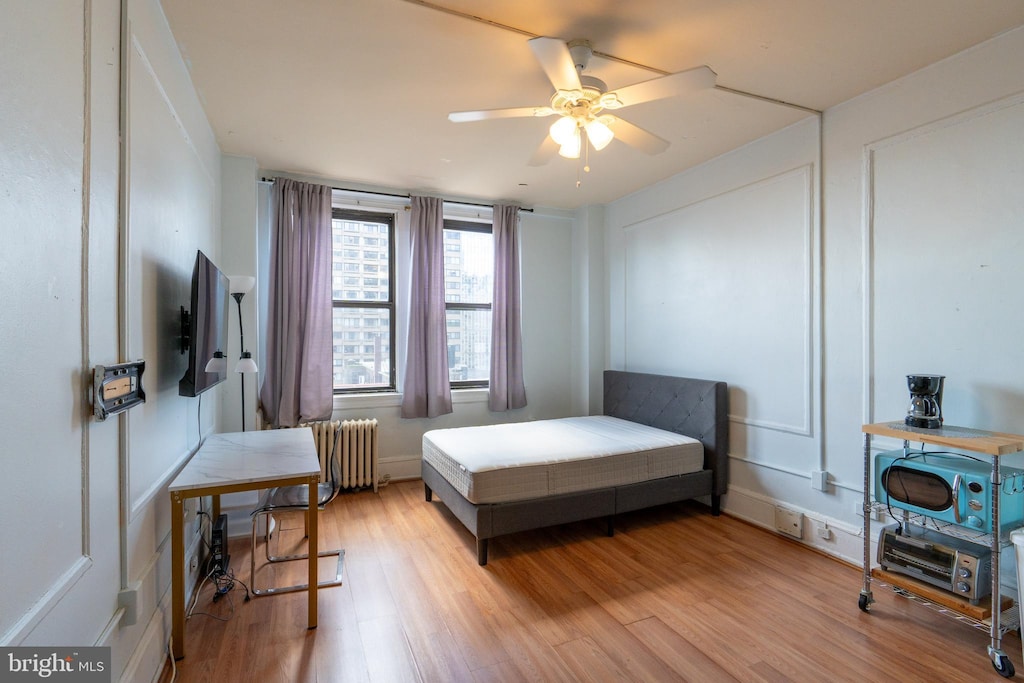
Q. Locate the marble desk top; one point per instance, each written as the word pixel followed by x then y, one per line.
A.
pixel 250 457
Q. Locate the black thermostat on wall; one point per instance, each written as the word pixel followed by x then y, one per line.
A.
pixel 117 388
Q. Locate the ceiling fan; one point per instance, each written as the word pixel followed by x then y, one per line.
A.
pixel 581 102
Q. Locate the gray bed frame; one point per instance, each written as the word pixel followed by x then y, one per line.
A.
pixel 692 407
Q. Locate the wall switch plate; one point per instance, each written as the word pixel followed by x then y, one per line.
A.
pixel 789 522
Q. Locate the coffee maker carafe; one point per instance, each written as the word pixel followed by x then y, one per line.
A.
pixel 925 401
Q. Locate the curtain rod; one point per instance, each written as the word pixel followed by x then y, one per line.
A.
pixel 406 196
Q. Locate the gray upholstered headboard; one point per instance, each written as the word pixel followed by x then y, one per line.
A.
pixel 697 408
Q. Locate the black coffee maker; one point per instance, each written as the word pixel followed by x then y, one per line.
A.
pixel 925 401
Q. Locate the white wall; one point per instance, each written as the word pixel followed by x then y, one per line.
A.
pixel 589 305
pixel 97 261
pixel 59 216
pixel 724 272
pixel 239 251
pixel 172 182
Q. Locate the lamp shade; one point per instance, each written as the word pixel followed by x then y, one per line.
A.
pixel 570 149
pixel 246 364
pixel 564 130
pixel 242 284
pixel 599 134
pixel 218 364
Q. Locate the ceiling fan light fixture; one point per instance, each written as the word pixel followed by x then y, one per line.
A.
pixel 564 130
pixel 580 98
pixel 570 149
pixel 599 134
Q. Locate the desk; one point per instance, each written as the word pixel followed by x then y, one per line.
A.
pixel 241 461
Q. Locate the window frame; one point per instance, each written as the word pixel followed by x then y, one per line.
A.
pixel 381 217
pixel 477 227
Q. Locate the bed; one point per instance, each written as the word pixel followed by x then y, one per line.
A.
pixel 498 490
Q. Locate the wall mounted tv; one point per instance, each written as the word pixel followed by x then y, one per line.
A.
pixel 204 329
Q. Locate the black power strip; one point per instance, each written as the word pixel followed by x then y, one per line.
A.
pixel 219 557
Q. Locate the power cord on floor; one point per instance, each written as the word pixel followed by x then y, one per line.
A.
pixel 170 655
pixel 224 583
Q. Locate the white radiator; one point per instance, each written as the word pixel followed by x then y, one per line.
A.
pixel 357 461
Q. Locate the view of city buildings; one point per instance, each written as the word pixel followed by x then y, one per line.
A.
pixel 364 307
pixel 361 280
pixel 468 282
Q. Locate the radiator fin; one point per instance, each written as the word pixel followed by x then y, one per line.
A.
pixel 358 459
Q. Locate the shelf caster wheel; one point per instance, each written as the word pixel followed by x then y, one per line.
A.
pixel 1003 666
pixel 863 602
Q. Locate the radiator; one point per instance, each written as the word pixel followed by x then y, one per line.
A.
pixel 357 461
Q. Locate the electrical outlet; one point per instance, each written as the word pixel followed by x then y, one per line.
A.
pixel 789 522
pixel 822 531
pixel 193 563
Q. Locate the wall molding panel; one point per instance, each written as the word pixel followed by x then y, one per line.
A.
pixel 710 225
pixel 949 230
pixel 54 594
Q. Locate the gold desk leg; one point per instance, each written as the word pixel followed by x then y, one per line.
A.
pixel 311 522
pixel 177 576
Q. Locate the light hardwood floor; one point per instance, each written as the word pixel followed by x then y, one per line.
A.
pixel 675 595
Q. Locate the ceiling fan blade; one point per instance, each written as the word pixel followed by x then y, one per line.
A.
pixel 544 153
pixel 635 136
pixel 484 114
pixel 553 55
pixel 667 86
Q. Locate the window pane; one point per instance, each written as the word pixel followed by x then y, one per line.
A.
pixel 366 365
pixel 469 265
pixel 364 305
pixel 372 257
pixel 469 345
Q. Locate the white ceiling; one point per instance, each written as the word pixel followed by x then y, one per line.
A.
pixel 358 91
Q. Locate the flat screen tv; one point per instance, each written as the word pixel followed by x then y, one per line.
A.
pixel 206 326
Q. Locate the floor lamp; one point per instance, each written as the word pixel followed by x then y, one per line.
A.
pixel 240 286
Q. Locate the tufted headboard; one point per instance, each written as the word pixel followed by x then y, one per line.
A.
pixel 697 408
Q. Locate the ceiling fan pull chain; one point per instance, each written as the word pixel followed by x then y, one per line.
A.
pixel 586 151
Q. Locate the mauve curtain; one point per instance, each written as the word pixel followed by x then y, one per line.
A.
pixel 298 382
pixel 506 390
pixel 426 391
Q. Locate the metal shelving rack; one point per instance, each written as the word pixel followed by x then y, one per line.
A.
pixel 992 444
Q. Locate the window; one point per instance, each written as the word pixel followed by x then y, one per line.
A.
pixel 364 307
pixel 469 277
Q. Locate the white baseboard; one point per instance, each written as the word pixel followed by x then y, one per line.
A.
pixel 402 467
pixel 844 541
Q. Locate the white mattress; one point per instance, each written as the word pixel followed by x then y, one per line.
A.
pixel 523 460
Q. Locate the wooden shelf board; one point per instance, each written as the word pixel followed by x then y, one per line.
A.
pixel 963 438
pixel 979 612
